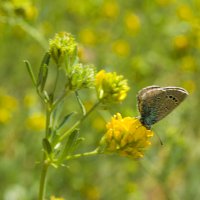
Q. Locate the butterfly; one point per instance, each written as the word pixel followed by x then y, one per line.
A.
pixel 155 102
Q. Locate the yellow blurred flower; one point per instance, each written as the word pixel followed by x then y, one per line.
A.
pixel 126 136
pixel 132 22
pixel 181 42
pixel 110 9
pixel 188 63
pixel 87 36
pixel 184 12
pixel 121 48
pixel 25 8
pixel 30 99
pixel 110 87
pixel 5 115
pixel 8 104
pixel 190 86
pixel 56 198
pixel 91 193
pixel 36 121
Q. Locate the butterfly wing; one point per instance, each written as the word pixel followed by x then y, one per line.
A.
pixel 155 103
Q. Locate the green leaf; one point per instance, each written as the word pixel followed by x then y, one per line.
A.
pixel 77 143
pixel 80 103
pixel 46 59
pixel 46 96
pixel 43 72
pixel 47 146
pixel 70 143
pixel 30 71
pixel 65 120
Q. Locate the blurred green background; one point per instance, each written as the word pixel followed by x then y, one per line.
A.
pixel 149 42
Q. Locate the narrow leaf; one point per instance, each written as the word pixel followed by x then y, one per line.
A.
pixel 30 71
pixel 70 143
pixel 44 77
pixel 46 59
pixel 65 120
pixel 43 71
pixel 46 96
pixel 77 143
pixel 47 146
pixel 80 103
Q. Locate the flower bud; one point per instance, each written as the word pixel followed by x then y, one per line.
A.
pixel 81 76
pixel 61 47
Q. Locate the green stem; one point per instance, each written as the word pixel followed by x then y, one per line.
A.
pixel 59 99
pixel 48 119
pixel 43 180
pixel 45 164
pixel 56 81
pixel 92 109
pixel 92 153
pixel 78 122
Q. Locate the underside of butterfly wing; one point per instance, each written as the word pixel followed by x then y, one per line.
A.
pixel 154 102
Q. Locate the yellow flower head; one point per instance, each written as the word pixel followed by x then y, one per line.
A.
pixel 36 121
pixel 126 136
pixel 61 46
pixel 184 12
pixel 110 87
pixel 181 42
pixel 121 48
pixel 88 36
pixel 56 198
pixel 132 22
pixel 8 104
pixel 110 9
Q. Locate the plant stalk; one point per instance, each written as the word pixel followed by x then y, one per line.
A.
pixel 43 177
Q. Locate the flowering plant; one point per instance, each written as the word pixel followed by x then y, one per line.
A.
pixel 124 136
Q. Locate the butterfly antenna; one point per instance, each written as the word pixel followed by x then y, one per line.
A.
pixel 161 143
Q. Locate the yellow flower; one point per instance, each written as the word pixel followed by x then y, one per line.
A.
pixel 110 9
pixel 91 192
pixel 8 104
pixel 121 48
pixel 181 42
pixel 30 99
pixel 56 198
pixel 25 9
pixel 110 87
pixel 184 12
pixel 36 121
pixel 5 115
pixel 132 22
pixel 189 63
pixel 190 85
pixel 126 136
pixel 87 36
